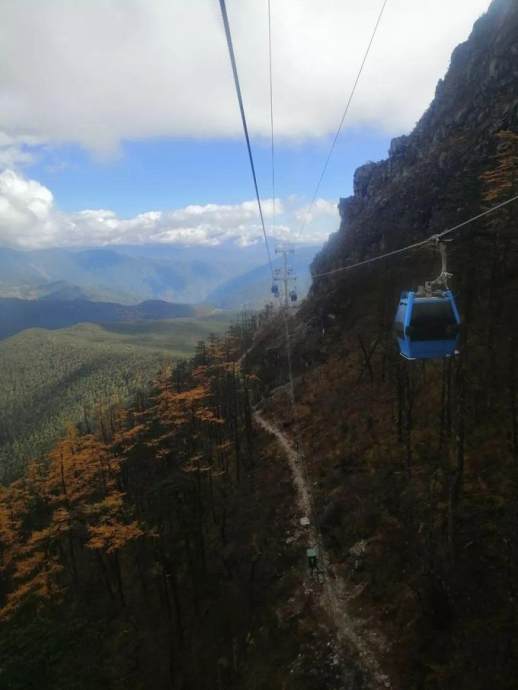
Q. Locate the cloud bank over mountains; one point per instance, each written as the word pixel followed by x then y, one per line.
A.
pixel 96 73
pixel 29 219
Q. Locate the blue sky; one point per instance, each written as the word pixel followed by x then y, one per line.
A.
pixel 119 122
pixel 170 173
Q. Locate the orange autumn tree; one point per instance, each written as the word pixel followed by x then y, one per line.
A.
pixel 78 503
pixel 175 416
pixel 29 555
pixel 126 520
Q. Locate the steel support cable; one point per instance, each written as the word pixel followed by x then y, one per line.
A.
pixel 232 56
pixel 272 127
pixel 291 384
pixel 284 314
pixel 271 113
pixel 421 243
pixel 345 113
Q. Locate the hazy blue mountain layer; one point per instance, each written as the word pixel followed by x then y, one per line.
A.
pixel 253 288
pixel 17 315
pixel 126 274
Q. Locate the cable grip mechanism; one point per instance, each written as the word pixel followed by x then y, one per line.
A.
pixel 433 288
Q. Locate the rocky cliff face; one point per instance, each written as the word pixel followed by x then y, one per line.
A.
pixel 431 179
pixel 419 461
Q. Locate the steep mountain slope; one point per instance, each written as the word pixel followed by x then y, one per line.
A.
pixel 414 465
pixel 431 179
pixel 168 550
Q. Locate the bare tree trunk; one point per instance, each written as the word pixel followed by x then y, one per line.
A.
pixel 400 400
pixel 105 574
pixel 512 396
pixel 235 424
pixel 367 356
pixel 409 397
pixel 456 478
pixel 248 422
pixel 118 575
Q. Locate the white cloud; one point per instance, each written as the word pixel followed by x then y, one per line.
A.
pixel 14 151
pixel 99 71
pixel 30 219
pixel 26 211
pixel 14 156
pixel 318 209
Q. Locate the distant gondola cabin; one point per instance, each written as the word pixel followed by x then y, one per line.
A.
pixel 427 327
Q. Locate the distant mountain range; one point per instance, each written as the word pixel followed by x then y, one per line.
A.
pixel 17 315
pixel 131 274
pixel 253 288
pixel 51 378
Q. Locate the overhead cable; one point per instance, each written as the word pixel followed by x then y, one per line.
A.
pixel 271 113
pixel 284 311
pixel 421 243
pixel 345 113
pixel 232 56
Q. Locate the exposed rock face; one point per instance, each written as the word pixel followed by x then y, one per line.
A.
pixel 436 573
pixel 415 468
pixel 415 465
pixel 430 180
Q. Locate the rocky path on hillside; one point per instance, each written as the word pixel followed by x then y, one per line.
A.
pixel 333 592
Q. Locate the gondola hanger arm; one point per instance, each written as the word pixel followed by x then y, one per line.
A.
pixel 440 284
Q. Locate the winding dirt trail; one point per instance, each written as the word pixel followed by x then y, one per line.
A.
pixel 334 593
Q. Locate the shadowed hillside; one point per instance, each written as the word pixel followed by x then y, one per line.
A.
pixel 415 463
pixel 17 315
pixel 49 379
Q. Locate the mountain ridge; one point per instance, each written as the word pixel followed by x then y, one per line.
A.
pixel 17 315
pixel 127 274
pixel 441 157
pixel 414 464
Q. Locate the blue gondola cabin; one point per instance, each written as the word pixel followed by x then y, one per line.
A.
pixel 427 327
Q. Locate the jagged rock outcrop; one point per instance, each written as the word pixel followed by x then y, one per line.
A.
pixel 420 459
pixel 431 179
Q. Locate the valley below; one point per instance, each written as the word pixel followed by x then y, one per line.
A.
pixel 204 487
pixel 51 379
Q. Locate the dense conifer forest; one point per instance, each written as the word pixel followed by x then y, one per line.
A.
pixel 115 542
pixel 296 506
pixel 51 378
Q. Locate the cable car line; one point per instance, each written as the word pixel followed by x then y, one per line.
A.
pixel 232 56
pixel 421 243
pixel 345 113
pixel 275 287
pixel 427 320
pixel 245 129
pixel 271 111
pixel 299 445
